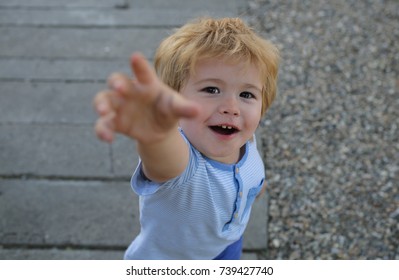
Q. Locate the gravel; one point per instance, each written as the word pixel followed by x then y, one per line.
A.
pixel 331 139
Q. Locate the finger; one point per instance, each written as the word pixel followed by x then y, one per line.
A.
pixel 104 128
pixel 120 83
pixel 102 104
pixel 107 101
pixel 184 108
pixel 142 69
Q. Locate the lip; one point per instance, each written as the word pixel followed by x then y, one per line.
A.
pixel 229 125
pixel 223 136
pixel 226 125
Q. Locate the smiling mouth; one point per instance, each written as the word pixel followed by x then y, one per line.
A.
pixel 224 129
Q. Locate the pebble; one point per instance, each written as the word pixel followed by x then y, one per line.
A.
pixel 331 137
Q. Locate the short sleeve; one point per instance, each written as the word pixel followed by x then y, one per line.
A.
pixel 143 186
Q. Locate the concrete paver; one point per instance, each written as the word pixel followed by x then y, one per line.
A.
pixel 61 254
pixel 49 4
pixel 141 17
pixel 68 213
pixel 222 7
pixel 45 103
pixel 72 70
pixel 53 151
pixel 55 43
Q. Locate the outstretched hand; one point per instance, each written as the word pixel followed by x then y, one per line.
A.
pixel 144 109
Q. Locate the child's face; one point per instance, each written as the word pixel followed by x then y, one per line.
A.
pixel 230 97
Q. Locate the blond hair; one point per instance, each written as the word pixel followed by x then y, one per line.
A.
pixel 177 55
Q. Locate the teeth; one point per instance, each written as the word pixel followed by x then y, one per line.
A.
pixel 226 127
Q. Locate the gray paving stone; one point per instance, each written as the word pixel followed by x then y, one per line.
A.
pixel 231 6
pixel 255 236
pixel 85 18
pixel 249 256
pixel 67 213
pixel 60 254
pixel 69 70
pixel 62 4
pixel 52 150
pixel 47 102
pixel 31 42
pixel 124 156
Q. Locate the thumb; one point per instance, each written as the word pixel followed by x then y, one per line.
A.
pixel 144 72
pixel 184 108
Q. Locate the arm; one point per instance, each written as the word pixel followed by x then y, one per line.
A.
pixel 165 159
pixel 148 111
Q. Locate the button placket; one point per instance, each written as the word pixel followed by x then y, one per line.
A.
pixel 239 192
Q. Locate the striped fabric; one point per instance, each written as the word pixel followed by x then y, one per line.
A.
pixel 199 213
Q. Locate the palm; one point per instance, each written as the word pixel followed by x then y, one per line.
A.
pixel 144 109
pixel 146 117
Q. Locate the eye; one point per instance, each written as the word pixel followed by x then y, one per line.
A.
pixel 211 90
pixel 247 95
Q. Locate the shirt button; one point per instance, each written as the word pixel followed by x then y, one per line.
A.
pixel 240 194
pixel 236 215
pixel 237 169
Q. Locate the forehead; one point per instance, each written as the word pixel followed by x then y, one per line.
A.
pixel 226 69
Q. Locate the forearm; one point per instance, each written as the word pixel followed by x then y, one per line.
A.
pixel 164 159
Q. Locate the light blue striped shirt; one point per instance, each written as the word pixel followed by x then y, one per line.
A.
pixel 199 213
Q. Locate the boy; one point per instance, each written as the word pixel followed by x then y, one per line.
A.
pixel 199 169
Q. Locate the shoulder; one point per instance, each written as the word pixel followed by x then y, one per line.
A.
pixel 252 161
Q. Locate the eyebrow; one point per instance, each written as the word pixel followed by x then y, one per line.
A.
pixel 252 86
pixel 218 81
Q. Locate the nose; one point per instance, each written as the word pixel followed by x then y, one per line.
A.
pixel 229 105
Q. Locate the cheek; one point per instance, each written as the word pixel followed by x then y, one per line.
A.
pixel 207 109
pixel 253 119
pixel 190 126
